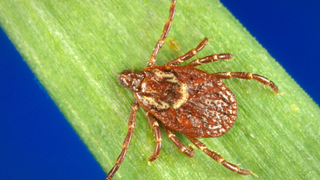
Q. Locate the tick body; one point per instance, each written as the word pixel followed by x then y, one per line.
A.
pixel 184 99
pixel 188 100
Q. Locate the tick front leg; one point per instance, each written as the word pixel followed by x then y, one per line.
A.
pixel 166 29
pixel 217 157
pixel 247 76
pixel 127 140
pixel 211 58
pixel 183 148
pixel 189 54
pixel 157 136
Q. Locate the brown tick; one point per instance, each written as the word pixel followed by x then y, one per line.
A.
pixel 185 100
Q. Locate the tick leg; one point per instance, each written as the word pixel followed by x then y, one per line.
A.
pixel 247 76
pixel 127 140
pixel 211 58
pixel 157 136
pixel 183 148
pixel 189 54
pixel 160 42
pixel 217 157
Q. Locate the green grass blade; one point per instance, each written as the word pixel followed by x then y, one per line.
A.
pixel 77 49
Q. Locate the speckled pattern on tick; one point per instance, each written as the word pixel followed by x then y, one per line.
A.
pixel 184 99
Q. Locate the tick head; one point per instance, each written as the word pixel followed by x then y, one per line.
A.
pixel 131 79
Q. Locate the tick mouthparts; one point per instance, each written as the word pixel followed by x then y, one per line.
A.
pixel 125 78
pixel 131 79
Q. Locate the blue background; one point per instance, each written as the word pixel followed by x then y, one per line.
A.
pixel 36 141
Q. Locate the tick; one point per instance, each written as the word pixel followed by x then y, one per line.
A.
pixel 184 99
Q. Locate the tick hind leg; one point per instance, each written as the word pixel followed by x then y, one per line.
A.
pixel 247 76
pixel 183 148
pixel 166 29
pixel 208 59
pixel 127 140
pixel 217 157
pixel 157 136
pixel 189 54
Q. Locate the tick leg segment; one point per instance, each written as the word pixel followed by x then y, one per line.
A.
pixel 208 59
pixel 189 54
pixel 183 148
pixel 157 136
pixel 127 140
pixel 247 76
pixel 166 29
pixel 217 157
